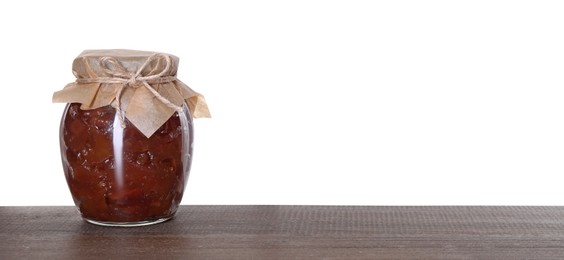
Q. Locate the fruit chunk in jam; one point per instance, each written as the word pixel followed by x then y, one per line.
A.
pixel 117 174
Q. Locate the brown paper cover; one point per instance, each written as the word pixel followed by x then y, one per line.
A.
pixel 104 76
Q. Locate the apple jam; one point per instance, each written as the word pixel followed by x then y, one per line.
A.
pixel 117 175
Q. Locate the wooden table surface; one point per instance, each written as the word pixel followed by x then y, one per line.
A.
pixel 292 232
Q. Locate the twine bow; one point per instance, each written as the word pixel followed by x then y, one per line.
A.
pixel 120 75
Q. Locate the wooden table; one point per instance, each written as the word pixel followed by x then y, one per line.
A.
pixel 292 232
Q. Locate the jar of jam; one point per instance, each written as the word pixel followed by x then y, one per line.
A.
pixel 126 136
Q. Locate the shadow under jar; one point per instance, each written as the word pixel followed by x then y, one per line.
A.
pixel 119 177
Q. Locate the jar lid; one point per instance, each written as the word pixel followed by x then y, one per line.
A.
pixel 88 65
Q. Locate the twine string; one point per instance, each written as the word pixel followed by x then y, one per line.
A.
pixel 120 75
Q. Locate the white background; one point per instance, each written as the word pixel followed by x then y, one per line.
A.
pixel 314 102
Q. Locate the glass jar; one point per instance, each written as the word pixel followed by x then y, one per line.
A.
pixel 126 136
pixel 116 175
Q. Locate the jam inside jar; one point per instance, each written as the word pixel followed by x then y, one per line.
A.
pixel 119 177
